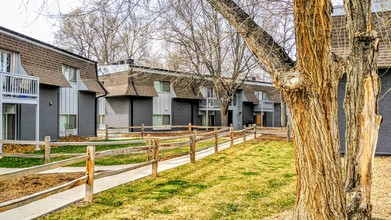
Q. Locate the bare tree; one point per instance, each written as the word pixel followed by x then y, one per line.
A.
pixel 276 17
pixel 209 47
pixel 105 30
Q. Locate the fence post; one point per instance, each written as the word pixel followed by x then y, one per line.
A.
pixel 107 132
pixel 244 133
pixel 142 130
pixel 90 173
pixel 216 141
pixel 255 131
pixel 192 147
pixel 155 157
pixel 231 137
pixel 189 129
pixel 149 143
pixel 47 150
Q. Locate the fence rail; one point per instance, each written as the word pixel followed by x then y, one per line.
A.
pixel 152 148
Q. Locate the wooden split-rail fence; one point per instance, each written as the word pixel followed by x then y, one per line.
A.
pixel 153 145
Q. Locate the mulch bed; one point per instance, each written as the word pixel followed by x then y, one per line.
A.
pixel 23 186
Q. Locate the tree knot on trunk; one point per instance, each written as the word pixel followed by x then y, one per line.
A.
pixel 288 81
pixel 366 37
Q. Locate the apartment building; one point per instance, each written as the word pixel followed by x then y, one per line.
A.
pixel 150 96
pixel 46 91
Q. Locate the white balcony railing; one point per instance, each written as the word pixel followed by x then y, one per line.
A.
pixel 19 86
pixel 267 106
pixel 209 102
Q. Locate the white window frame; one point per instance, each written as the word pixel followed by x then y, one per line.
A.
pixel 10 67
pixel 66 71
pixel 210 92
pixel 160 85
pixel 68 131
pixel 161 120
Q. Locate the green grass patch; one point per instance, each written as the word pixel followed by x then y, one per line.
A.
pixel 217 187
pixel 15 162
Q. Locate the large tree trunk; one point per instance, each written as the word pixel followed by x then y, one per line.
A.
pixel 362 119
pixel 224 119
pixel 224 114
pixel 310 90
pixel 320 193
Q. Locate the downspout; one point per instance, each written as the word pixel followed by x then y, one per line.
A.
pixel 96 100
pixel 132 102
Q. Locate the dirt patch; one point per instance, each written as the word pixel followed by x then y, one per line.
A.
pixel 381 192
pixel 381 188
pixel 23 186
pixel 271 137
pixel 18 148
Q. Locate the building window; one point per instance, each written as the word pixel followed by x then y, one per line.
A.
pixel 162 86
pixel 5 61
pixel 70 73
pixel 101 119
pixel 161 120
pixel 259 95
pixel 210 92
pixel 68 123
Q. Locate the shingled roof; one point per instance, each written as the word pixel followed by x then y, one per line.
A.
pixel 187 88
pixel 271 92
pixel 135 83
pixel 381 22
pixel 250 95
pixel 45 61
pixel 47 75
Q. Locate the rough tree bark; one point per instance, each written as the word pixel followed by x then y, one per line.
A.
pixel 362 118
pixel 310 89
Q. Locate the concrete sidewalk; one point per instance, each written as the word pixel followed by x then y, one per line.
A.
pixel 58 201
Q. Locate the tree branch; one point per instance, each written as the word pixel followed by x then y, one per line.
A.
pixel 272 55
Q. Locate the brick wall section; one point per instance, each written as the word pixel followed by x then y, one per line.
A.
pixel 40 61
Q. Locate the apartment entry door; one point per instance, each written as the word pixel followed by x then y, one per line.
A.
pixel 258 119
pixel 9 122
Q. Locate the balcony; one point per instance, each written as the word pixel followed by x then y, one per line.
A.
pixel 265 106
pixel 18 88
pixel 209 103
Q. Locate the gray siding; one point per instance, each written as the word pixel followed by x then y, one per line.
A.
pixel 196 117
pixel 87 114
pixel 117 111
pixel 384 141
pixel 27 122
pixel 48 111
pixel 185 111
pixel 277 115
pixel 268 119
pixel 341 113
pixel 217 118
pixel 142 111
pixel 247 113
